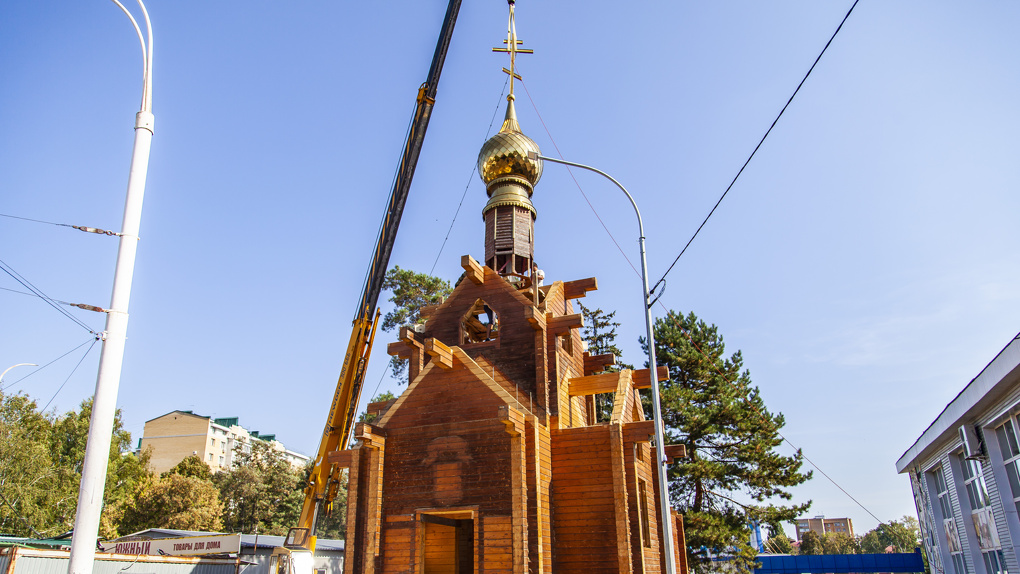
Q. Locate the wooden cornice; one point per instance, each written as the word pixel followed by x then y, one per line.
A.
pixel 472 269
pixel 441 354
pixel 564 323
pixel 608 382
pixel 598 363
pixel 579 288
pixel 643 379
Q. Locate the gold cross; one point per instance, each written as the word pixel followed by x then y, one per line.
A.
pixel 511 48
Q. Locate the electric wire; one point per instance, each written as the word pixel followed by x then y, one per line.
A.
pixel 471 178
pixel 34 295
pixel 757 147
pixel 49 301
pixel 87 351
pixel 572 176
pixel 551 139
pixel 78 227
pixel 47 364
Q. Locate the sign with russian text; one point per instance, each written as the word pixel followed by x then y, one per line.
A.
pixel 186 546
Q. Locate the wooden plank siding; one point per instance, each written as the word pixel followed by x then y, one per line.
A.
pixel 490 460
pixel 584 518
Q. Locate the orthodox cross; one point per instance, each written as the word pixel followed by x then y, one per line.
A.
pixel 511 48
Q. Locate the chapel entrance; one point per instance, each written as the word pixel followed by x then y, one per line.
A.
pixel 448 543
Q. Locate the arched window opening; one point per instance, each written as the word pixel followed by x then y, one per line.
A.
pixel 480 324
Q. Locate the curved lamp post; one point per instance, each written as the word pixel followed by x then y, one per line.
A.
pixel 11 367
pixel 104 406
pixel 665 519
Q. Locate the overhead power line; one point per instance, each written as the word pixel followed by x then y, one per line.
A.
pixel 78 227
pixel 757 147
pixel 38 293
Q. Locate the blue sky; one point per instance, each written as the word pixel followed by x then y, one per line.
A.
pixel 865 263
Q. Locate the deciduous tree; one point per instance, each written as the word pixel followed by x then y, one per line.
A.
pixel 901 535
pixel 173 501
pixel 262 491
pixel 733 473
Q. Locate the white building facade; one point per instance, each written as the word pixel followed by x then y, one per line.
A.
pixel 965 474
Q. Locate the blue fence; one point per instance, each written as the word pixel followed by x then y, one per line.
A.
pixel 840 563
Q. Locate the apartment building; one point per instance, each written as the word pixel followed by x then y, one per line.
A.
pixel 180 434
pixel 821 525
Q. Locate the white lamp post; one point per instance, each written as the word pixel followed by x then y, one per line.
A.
pixel 665 519
pixel 104 405
pixel 11 367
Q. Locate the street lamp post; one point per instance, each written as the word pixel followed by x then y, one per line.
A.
pixel 665 519
pixel 104 405
pixel 11 367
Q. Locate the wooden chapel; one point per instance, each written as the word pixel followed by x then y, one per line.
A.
pixel 491 460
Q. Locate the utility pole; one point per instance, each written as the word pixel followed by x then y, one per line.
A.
pixel 104 405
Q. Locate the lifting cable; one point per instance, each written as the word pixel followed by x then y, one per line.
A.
pixel 471 178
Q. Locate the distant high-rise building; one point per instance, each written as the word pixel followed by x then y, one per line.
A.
pixel 180 434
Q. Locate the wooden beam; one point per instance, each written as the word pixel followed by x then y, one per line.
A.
pixel 593 384
pixel 441 354
pixel 579 288
pixel 426 311
pixel 643 380
pixel 344 458
pixel 535 318
pixel 598 363
pixel 472 270
pixel 621 508
pixel 673 451
pixel 639 431
pixel 399 349
pixel 564 323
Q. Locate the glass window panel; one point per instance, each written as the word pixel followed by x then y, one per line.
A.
pixel 1014 479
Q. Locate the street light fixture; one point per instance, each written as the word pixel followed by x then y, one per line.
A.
pixel 11 367
pixel 104 405
pixel 665 519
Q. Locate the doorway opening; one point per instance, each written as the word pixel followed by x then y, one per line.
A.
pixel 448 543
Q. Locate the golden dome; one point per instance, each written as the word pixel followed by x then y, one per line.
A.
pixel 506 153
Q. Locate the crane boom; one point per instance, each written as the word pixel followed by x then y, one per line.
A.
pixel 324 480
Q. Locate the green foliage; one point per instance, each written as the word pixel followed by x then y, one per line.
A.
pixel 599 332
pixel 901 535
pixel 779 544
pixel 191 466
pixel 173 501
pixel 364 417
pixel 840 543
pixel 811 543
pixel 41 458
pixel 710 406
pixel 261 492
pixel 410 292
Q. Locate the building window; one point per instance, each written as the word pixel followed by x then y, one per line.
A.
pixel 1011 455
pixel 210 457
pixel 646 535
pixel 221 461
pixel 975 483
pixel 949 523
pixel 212 442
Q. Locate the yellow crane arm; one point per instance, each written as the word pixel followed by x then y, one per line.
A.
pixel 324 481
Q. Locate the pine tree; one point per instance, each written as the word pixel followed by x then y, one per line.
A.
pixel 599 332
pixel 410 292
pixel 732 474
